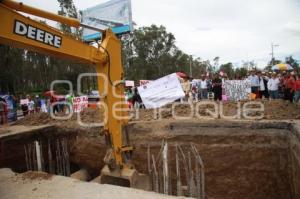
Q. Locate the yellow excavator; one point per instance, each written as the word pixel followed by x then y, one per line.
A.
pixel 20 31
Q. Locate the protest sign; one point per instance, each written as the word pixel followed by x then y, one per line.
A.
pixel 79 103
pixel 161 91
pixel 24 101
pixel 237 89
pixel 144 82
pixel 129 83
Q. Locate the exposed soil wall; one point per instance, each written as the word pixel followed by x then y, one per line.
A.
pixel 295 159
pixel 241 159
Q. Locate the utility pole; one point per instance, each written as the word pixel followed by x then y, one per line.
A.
pixel 272 52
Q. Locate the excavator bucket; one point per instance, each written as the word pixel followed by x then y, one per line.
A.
pixel 125 177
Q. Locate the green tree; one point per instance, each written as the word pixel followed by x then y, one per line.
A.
pixel 228 69
pixel 150 52
pixel 291 61
pixel 11 67
pixel 240 72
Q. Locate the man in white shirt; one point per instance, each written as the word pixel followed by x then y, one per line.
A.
pixel 202 88
pixel 273 84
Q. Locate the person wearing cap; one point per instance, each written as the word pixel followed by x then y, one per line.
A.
pixel 273 84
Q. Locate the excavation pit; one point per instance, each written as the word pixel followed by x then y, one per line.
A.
pixel 241 159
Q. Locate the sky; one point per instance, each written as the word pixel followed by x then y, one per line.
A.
pixel 235 30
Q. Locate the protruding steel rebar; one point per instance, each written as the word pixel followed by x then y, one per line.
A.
pixel 26 157
pixel 156 185
pixel 29 156
pixel 50 159
pixel 165 169
pixel 185 165
pixel 67 158
pixel 34 159
pixel 42 156
pixel 159 168
pixel 202 177
pixel 178 182
pixel 149 160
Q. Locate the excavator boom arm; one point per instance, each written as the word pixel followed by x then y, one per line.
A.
pixel 20 31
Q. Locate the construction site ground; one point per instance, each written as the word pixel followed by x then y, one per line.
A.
pixel 242 158
pixel 41 185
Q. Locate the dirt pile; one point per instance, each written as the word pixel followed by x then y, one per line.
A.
pixel 272 110
pixel 88 115
pixel 36 176
pixel 277 109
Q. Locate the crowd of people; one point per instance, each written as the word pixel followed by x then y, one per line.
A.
pixel 264 85
pixel 206 88
pixel 284 85
pixel 37 104
pixel 267 85
pixel 31 105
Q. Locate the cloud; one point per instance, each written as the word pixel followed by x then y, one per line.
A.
pixel 235 30
pixel 293 27
pixel 203 28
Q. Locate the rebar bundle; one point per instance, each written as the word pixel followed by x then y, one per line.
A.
pixel 57 157
pixel 189 168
